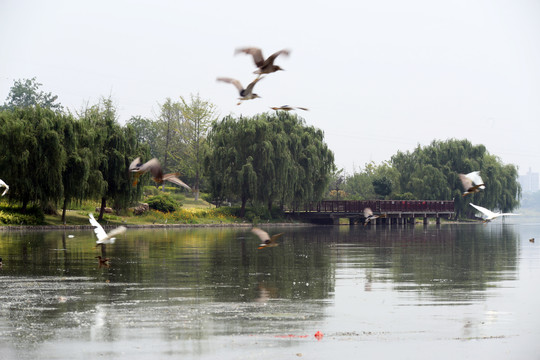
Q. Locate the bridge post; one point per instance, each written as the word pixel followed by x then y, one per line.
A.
pixel 438 220
pixel 425 221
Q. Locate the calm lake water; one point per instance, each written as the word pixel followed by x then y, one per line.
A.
pixel 413 292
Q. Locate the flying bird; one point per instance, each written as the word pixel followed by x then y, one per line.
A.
pixel 154 167
pixel 490 215
pixel 266 240
pixel 368 216
pixel 266 66
pixel 103 237
pixel 288 108
pixel 3 184
pixel 469 179
pixel 245 94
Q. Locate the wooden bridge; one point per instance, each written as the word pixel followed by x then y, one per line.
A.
pixel 395 211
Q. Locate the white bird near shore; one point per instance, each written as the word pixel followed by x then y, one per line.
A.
pixel 490 215
pixel 3 184
pixel 103 237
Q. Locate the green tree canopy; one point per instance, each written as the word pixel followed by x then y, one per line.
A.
pixel 25 93
pixel 267 158
pixel 431 172
pixel 33 156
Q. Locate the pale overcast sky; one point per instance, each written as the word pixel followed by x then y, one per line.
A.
pixel 377 76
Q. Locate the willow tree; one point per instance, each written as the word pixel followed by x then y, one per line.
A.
pixel 77 169
pixel 431 172
pixel 32 155
pixel 113 148
pixel 267 158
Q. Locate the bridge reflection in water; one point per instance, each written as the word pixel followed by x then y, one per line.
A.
pixel 395 211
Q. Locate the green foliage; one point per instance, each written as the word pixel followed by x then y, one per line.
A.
pixel 150 190
pixel 14 216
pixel 113 149
pixel 24 94
pixel 382 186
pixel 404 196
pixel 163 202
pixel 59 157
pixel 267 158
pixel 34 170
pixel 431 172
pixel 197 116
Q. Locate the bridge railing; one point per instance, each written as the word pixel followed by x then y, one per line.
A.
pixel 377 206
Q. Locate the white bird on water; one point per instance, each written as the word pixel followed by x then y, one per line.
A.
pixel 3 184
pixel 103 237
pixel 490 215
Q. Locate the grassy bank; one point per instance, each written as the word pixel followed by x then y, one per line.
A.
pixel 184 211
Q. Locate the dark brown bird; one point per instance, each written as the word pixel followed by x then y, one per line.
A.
pixel 266 240
pixel 245 94
pixel 265 66
pixel 531 240
pixel 154 167
pixel 103 261
pixel 288 108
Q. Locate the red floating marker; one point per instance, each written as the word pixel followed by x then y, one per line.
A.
pixel 318 335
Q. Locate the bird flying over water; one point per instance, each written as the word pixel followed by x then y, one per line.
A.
pixel 490 215
pixel 368 216
pixel 103 237
pixel 266 240
pixel 469 179
pixel 3 184
pixel 245 94
pixel 154 167
pixel 288 108
pixel 266 66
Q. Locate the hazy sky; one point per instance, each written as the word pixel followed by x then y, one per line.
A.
pixel 377 76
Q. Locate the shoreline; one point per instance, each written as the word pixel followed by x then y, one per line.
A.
pixel 140 226
pixel 179 226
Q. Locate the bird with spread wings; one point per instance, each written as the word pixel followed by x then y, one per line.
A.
pixel 490 215
pixel 265 66
pixel 154 167
pixel 266 240
pixel 102 236
pixel 472 182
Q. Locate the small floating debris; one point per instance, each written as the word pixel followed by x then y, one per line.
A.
pixel 531 240
pixel 71 236
pixel 288 336
pixel 318 335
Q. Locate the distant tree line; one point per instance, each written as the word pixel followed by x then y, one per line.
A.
pixel 431 173
pixel 51 157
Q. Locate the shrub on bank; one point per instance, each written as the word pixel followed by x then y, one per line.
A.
pixel 190 216
pixel 163 202
pixel 33 216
